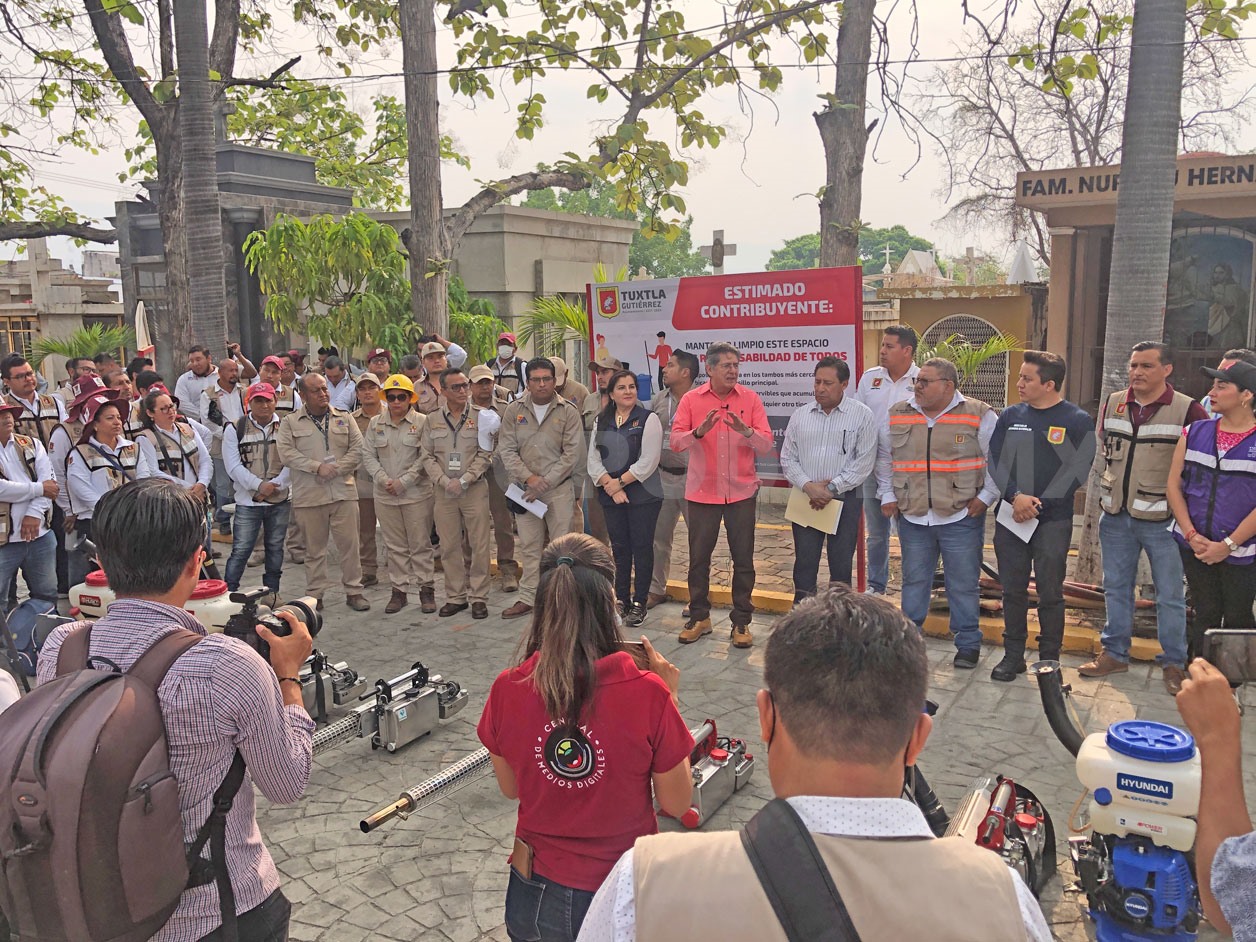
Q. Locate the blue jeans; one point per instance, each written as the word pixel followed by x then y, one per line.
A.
pixel 1122 538
pixel 960 545
pixel 38 562
pixel 224 493
pixel 540 910
pixel 876 544
pixel 272 519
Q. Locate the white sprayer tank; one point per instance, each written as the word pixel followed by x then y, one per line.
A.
pixel 1145 778
pixel 210 602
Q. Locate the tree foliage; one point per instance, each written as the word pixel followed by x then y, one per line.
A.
pixel 804 251
pixel 967 357
pixel 84 342
pixel 663 255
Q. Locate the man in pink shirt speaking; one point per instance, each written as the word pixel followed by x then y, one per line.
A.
pixel 723 426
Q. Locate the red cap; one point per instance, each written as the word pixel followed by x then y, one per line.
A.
pixel 273 361
pixel 508 337
pixel 265 390
pixel 379 352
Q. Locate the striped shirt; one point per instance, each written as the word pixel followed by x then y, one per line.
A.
pixel 839 446
pixel 218 697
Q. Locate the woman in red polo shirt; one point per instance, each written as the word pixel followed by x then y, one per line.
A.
pixel 578 734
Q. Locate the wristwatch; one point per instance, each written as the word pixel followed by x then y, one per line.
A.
pixel 832 488
pixel 1230 543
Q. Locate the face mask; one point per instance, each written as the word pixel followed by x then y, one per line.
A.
pixel 504 351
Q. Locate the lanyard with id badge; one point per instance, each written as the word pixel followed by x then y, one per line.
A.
pixel 453 462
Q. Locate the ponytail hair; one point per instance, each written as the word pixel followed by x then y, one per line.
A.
pixel 574 624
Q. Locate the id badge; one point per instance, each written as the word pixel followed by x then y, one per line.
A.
pixel 454 464
pixel 667 440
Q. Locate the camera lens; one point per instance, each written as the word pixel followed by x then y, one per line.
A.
pixel 306 610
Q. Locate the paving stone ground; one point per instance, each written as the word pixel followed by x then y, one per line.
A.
pixel 441 875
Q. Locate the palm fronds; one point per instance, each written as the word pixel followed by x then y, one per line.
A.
pixel 84 342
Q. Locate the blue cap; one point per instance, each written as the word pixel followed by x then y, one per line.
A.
pixel 1152 741
pixel 1103 796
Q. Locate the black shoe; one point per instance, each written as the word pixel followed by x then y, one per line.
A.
pixel 1007 669
pixel 635 616
pixel 479 610
pixel 622 607
pixel 453 608
pixel 967 659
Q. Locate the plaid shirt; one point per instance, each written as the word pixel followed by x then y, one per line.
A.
pixel 218 697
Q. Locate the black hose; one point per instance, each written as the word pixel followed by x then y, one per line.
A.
pixel 1054 696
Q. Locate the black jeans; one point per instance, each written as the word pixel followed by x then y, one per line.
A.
pixel 810 542
pixel 631 529
pixel 1222 597
pixel 540 910
pixel 266 922
pixel 703 521
pixel 1047 554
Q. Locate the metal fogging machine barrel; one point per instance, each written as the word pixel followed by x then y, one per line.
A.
pixel 429 791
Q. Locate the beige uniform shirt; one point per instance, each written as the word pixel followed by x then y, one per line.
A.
pixel 574 392
pixel 303 447
pixel 390 451
pixel 551 448
pixel 429 399
pixel 451 448
pixel 366 487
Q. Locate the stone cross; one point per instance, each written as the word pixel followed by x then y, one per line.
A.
pixel 717 251
pixel 887 269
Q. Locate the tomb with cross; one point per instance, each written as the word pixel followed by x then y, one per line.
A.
pixel 717 251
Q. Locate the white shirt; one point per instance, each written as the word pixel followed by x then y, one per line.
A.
pixel 229 403
pixel 9 692
pixel 540 411
pixel 204 466
pixel 86 486
pixel 490 423
pixel 456 355
pixel 838 446
pixel 647 462
pixel 245 481
pixel 878 392
pixel 59 448
pixel 988 494
pixel 188 389
pixel 344 394
pixel 612 917
pixel 32 405
pixel 25 496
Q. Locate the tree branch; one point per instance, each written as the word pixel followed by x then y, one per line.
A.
pixel 226 36
pixel 165 36
pixel 490 196
pixel 40 230
pixel 271 81
pixel 111 38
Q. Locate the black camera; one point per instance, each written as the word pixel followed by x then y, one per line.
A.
pixel 243 624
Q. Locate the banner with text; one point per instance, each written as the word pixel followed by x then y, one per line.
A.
pixel 782 322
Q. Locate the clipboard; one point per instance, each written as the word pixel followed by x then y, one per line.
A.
pixel 799 511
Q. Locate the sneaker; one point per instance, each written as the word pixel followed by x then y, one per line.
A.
pixel 357 602
pixel 396 603
pixel 653 601
pixel 635 616
pixel 1173 677
pixel 1102 666
pixel 966 659
pixel 622 607
pixel 427 599
pixel 453 608
pixel 1007 669
pixel 518 610
pixel 741 636
pixel 694 629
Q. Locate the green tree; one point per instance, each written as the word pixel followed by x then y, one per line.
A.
pixel 84 342
pixel 799 252
pixel 663 255
pixel 804 251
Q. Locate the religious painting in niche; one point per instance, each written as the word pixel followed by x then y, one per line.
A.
pixel 1209 299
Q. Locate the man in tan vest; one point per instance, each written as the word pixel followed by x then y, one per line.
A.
pixel 932 475
pixel 322 447
pixel 846 677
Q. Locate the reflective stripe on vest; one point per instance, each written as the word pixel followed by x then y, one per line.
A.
pixel 938 467
pixel 1136 461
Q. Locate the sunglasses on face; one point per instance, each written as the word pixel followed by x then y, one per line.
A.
pixel 458 386
pixel 399 397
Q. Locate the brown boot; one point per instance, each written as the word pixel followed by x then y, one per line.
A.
pixel 396 603
pixel 741 636
pixel 427 599
pixel 652 600
pixel 510 575
pixel 695 629
pixel 358 603
pixel 1102 666
pixel 518 610
pixel 1173 677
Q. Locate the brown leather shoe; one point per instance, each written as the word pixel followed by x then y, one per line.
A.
pixel 741 636
pixel 518 610
pixel 396 603
pixel 510 575
pixel 357 602
pixel 694 629
pixel 1102 666
pixel 652 600
pixel 427 599
pixel 479 610
pixel 452 608
pixel 1173 677
pixel 370 580
pixel 319 606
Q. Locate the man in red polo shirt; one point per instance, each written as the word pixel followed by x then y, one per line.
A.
pixel 722 425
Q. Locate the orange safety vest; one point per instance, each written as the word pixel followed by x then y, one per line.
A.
pixel 940 467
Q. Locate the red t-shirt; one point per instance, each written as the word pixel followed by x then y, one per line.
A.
pixel 584 799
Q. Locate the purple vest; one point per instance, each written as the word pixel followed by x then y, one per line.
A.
pixel 1219 493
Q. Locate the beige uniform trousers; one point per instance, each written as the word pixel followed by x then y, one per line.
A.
pixel 461 521
pixel 367 549
pixel 338 521
pixel 407 530
pixel 535 533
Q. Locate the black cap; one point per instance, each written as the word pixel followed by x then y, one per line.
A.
pixel 1241 373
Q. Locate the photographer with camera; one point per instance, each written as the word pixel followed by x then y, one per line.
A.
pixel 217 699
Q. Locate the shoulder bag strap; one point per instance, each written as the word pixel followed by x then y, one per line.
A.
pixel 152 666
pixel 214 830
pixel 72 655
pixel 794 876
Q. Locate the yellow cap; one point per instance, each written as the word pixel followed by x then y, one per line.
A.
pixel 400 381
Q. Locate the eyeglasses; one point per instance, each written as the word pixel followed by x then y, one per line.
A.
pixel 398 397
pixel 165 408
pixel 29 374
pixel 458 386
pixel 918 381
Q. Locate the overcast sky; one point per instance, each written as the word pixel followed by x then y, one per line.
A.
pixel 756 186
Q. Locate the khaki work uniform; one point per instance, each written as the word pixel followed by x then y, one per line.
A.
pixel 503 519
pixel 586 493
pixel 390 451
pixel 451 452
pixel 576 393
pixel 368 546
pixel 326 508
pixel 551 448
pixel 430 398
